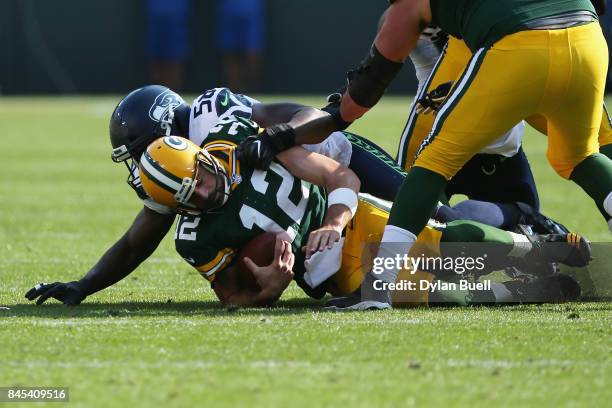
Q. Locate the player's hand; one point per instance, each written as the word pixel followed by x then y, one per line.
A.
pixel 279 273
pixel 321 239
pixel 255 152
pixel 333 108
pixel 258 151
pixel 432 102
pixel 70 293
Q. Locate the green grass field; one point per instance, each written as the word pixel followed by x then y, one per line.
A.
pixel 158 338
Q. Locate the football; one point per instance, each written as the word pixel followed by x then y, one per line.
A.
pixel 260 250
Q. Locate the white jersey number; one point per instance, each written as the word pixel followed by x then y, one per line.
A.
pixel 251 216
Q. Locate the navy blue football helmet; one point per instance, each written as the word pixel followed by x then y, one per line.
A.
pixel 143 116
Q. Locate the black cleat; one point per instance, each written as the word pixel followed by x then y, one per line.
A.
pixel 551 289
pixel 364 298
pixel 569 249
pixel 541 224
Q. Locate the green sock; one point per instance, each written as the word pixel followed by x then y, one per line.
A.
pixel 606 150
pixel 473 231
pixel 594 175
pixel 416 199
pixel 471 235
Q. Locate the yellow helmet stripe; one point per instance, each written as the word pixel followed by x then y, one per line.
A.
pixel 157 174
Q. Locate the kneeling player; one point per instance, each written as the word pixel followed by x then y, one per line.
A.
pixel 225 204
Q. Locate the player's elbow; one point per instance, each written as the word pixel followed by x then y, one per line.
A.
pixel 344 177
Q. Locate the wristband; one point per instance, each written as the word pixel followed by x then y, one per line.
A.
pixel 344 196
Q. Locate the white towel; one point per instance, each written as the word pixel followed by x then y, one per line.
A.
pixel 322 265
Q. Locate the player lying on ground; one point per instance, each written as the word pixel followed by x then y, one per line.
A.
pixel 511 57
pixel 225 204
pixel 140 118
pixel 151 111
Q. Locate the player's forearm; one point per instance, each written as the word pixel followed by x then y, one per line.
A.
pixel 310 125
pixel 401 28
pixel 398 35
pixel 337 217
pixel 117 263
pixel 135 246
pixel 339 186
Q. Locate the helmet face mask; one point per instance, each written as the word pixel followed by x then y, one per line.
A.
pixel 209 166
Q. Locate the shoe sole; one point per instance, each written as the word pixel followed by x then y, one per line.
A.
pixel 365 305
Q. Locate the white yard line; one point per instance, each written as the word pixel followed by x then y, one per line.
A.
pixel 486 364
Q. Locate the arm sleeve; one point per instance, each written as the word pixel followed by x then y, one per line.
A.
pixel 199 250
pixel 221 260
pixel 158 208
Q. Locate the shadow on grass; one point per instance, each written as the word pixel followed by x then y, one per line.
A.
pixel 151 309
pixel 213 309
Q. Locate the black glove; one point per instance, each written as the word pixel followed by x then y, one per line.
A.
pixel 70 293
pixel 432 102
pixel 258 151
pixel 333 108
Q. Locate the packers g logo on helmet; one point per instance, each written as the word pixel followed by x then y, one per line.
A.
pixel 176 142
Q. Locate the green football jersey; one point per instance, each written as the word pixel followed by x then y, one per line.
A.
pixel 481 23
pixel 261 201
